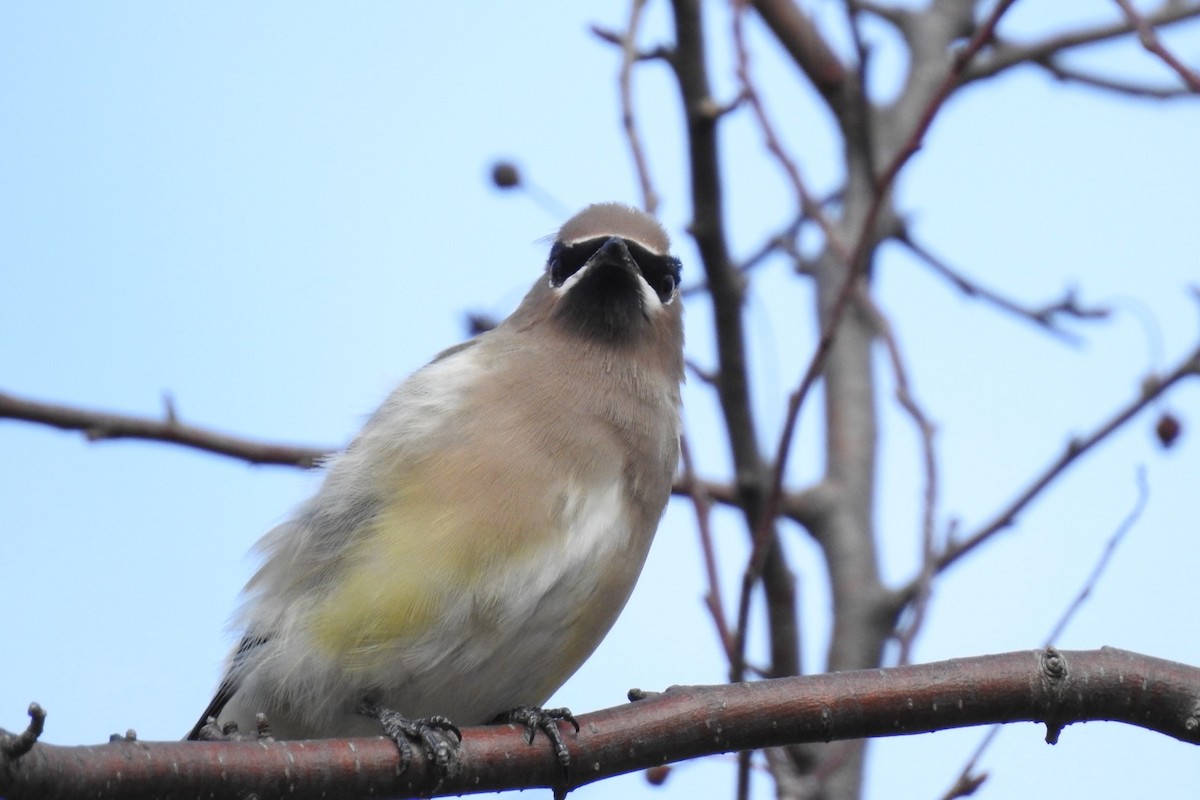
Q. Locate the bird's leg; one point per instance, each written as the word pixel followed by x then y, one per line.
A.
pixel 438 735
pixel 545 720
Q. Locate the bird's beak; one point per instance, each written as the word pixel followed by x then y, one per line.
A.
pixel 614 253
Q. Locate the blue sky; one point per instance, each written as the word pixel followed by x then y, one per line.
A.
pixel 274 212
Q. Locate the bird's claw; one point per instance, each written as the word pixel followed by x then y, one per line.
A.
pixel 438 735
pixel 545 720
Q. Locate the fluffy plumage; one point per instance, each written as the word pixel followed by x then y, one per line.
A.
pixel 479 536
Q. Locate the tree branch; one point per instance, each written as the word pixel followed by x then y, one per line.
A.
pixel 798 34
pixel 629 56
pixel 1045 686
pixel 968 779
pixel 727 290
pixel 1149 39
pixel 1065 73
pixel 1005 55
pixel 1045 317
pixel 926 431
pixel 1151 388
pixel 102 425
pixel 98 426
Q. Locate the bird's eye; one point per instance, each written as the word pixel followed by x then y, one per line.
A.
pixel 665 288
pixel 660 271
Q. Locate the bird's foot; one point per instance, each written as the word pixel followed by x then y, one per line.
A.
pixel 545 720
pixel 210 731
pixel 438 735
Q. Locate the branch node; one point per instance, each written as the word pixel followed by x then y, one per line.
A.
pixel 13 746
pixel 635 695
pixel 170 417
pixel 1054 665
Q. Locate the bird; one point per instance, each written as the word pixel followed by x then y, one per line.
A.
pixel 477 539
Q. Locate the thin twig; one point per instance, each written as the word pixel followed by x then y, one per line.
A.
pixel 102 425
pixel 629 57
pixel 702 504
pixel 1117 86
pixel 925 433
pixel 1004 55
pixel 806 45
pixel 953 78
pixel 1151 389
pixel 967 782
pixel 1045 317
pixel 1110 547
pixel 782 241
pixel 810 207
pixel 856 264
pixel 1150 41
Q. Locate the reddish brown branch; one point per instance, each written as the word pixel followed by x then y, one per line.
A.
pixel 727 289
pixel 1046 686
pixel 953 78
pixel 926 430
pixel 629 57
pixel 1149 39
pixel 1110 548
pixel 1151 389
pixel 810 206
pixel 1064 73
pixel 1046 317
pixel 798 34
pixel 968 780
pixel 1007 54
pixel 702 504
pixel 855 269
pixel 104 425
pixel 101 425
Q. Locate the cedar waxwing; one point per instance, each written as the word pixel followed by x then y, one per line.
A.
pixel 478 538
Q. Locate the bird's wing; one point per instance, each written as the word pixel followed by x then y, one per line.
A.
pixel 229 685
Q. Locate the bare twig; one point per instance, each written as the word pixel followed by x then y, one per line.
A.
pixel 1064 73
pixel 702 504
pixel 810 206
pixel 953 78
pixel 101 425
pixel 15 745
pixel 925 433
pixel 727 290
pixel 629 57
pixel 856 266
pixel 967 780
pixel 1149 39
pixel 805 44
pixel 1151 389
pixel 1045 317
pixel 1110 547
pixel 1004 55
pixel 782 241
pixel 660 53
